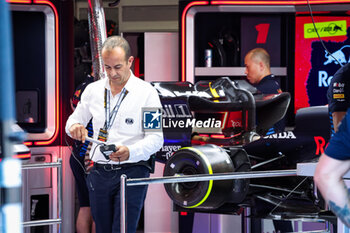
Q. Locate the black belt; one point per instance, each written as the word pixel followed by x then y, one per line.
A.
pixel 110 166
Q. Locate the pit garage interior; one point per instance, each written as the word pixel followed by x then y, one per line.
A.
pixel 170 39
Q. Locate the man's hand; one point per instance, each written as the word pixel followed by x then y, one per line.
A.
pixel 78 132
pixel 121 155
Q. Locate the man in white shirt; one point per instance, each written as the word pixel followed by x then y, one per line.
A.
pixel 115 105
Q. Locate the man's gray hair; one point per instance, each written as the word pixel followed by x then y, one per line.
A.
pixel 117 41
pixel 260 54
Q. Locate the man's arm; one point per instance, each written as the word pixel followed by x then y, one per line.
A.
pixel 329 180
pixel 75 125
pixel 337 118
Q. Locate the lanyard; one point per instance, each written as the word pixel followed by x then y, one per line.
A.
pixel 110 116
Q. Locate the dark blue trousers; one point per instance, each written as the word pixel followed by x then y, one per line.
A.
pixel 104 192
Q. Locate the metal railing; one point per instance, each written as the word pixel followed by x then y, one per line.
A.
pixel 44 222
pixel 190 178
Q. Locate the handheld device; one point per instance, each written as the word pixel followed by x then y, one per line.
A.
pixel 106 149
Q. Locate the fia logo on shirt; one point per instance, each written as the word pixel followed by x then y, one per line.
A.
pixel 152 119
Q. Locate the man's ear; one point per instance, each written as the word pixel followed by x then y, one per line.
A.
pixel 130 61
pixel 261 66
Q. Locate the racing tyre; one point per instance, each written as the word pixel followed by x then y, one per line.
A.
pixel 206 159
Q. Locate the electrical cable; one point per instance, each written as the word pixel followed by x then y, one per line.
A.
pixel 75 156
pixel 318 35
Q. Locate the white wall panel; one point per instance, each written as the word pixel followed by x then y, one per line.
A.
pixel 161 56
